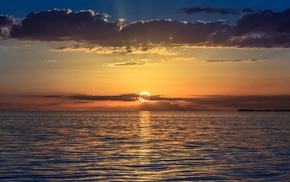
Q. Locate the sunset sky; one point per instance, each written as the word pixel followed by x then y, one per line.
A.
pixel 100 54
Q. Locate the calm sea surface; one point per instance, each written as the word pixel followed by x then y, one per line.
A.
pixel 144 146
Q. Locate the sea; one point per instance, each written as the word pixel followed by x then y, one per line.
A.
pixel 144 146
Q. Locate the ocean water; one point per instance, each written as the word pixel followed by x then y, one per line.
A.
pixel 144 146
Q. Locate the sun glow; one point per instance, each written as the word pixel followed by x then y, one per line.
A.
pixel 144 97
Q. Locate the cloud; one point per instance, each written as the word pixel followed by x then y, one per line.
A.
pixel 129 102
pixel 127 63
pixel 52 61
pixel 132 62
pixel 223 11
pixel 233 61
pixel 212 102
pixel 6 22
pixel 183 59
pixel 94 33
pixel 90 27
pixel 247 102
pixel 124 97
pixel 65 25
pixel 218 60
pixel 169 32
pixel 223 102
pixel 265 29
pixel 262 29
pixel 98 49
pixel 157 103
pixel 266 21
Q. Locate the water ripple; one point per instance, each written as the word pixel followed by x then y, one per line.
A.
pixel 144 146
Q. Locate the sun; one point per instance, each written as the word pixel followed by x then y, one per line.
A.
pixel 144 97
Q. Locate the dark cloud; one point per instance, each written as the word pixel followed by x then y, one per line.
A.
pixel 256 102
pixel 65 25
pixel 260 40
pixel 280 102
pixel 247 10
pixel 90 27
pixel 247 102
pixel 266 21
pixel 128 102
pixel 255 29
pixel 6 23
pixel 124 97
pixel 171 32
pixel 158 102
pixel 223 11
pixel 262 29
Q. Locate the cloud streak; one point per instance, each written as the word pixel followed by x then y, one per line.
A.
pixel 94 33
pixel 98 49
pixel 123 97
pixel 131 62
pixel 223 11
pixel 280 102
pixel 129 102
pixel 233 61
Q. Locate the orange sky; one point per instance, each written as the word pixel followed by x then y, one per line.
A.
pixel 189 72
pixel 45 64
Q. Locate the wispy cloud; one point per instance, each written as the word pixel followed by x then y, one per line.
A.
pixel 131 62
pixel 52 61
pixel 233 61
pixel 129 49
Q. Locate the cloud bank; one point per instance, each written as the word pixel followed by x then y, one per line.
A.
pixel 265 29
pixel 129 102
pixel 123 97
pixel 158 102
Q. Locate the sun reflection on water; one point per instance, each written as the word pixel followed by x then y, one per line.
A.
pixel 145 151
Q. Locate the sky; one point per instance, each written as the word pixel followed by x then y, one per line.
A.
pixel 100 54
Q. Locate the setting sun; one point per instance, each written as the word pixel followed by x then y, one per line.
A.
pixel 144 96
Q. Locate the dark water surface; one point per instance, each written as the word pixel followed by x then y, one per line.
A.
pixel 144 146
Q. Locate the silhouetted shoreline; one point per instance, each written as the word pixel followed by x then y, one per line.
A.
pixel 264 110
